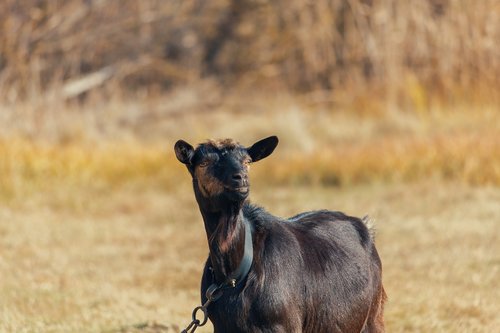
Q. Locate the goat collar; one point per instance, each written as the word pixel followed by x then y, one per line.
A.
pixel 237 276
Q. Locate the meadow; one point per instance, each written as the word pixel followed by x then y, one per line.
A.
pixel 107 237
pixel 383 107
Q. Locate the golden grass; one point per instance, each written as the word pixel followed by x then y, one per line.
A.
pixel 465 158
pixel 470 158
pixel 100 234
pixel 28 166
pixel 436 48
pixel 135 256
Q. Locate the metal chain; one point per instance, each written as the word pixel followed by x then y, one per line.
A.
pixel 214 292
pixel 196 322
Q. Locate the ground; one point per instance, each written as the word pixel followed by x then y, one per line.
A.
pixel 114 260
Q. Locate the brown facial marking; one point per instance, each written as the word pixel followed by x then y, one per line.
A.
pixel 208 185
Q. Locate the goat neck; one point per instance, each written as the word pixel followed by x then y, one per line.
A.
pixel 226 239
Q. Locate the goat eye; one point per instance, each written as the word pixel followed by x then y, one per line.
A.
pixel 204 163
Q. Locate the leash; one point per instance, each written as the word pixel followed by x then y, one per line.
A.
pixel 215 291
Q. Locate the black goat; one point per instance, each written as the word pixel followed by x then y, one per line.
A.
pixel 315 272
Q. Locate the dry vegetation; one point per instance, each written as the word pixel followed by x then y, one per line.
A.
pixel 122 258
pixel 429 50
pixel 105 236
pixel 317 148
pixel 383 107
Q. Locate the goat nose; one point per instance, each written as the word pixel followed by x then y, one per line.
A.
pixel 237 177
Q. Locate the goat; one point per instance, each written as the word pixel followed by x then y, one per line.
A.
pixel 316 272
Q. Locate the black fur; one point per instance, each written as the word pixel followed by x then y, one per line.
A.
pixel 315 272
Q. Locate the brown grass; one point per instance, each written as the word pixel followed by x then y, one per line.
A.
pixel 133 256
pixel 383 107
pixel 316 149
pixel 102 233
pixel 442 50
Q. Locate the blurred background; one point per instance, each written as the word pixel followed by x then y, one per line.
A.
pixel 383 107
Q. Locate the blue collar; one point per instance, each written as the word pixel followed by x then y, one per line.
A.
pixel 237 276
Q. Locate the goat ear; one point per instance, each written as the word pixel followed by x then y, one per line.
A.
pixel 262 148
pixel 184 151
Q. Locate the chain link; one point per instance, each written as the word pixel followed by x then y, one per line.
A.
pixel 195 323
pixel 214 292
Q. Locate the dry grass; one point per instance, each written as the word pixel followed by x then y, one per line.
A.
pixel 441 49
pixel 317 148
pixel 133 256
pixel 99 234
pixel 397 116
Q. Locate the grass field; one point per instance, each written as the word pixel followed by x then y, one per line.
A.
pixel 128 257
pixel 387 107
pixel 106 237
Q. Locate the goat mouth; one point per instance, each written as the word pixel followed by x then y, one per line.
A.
pixel 239 189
